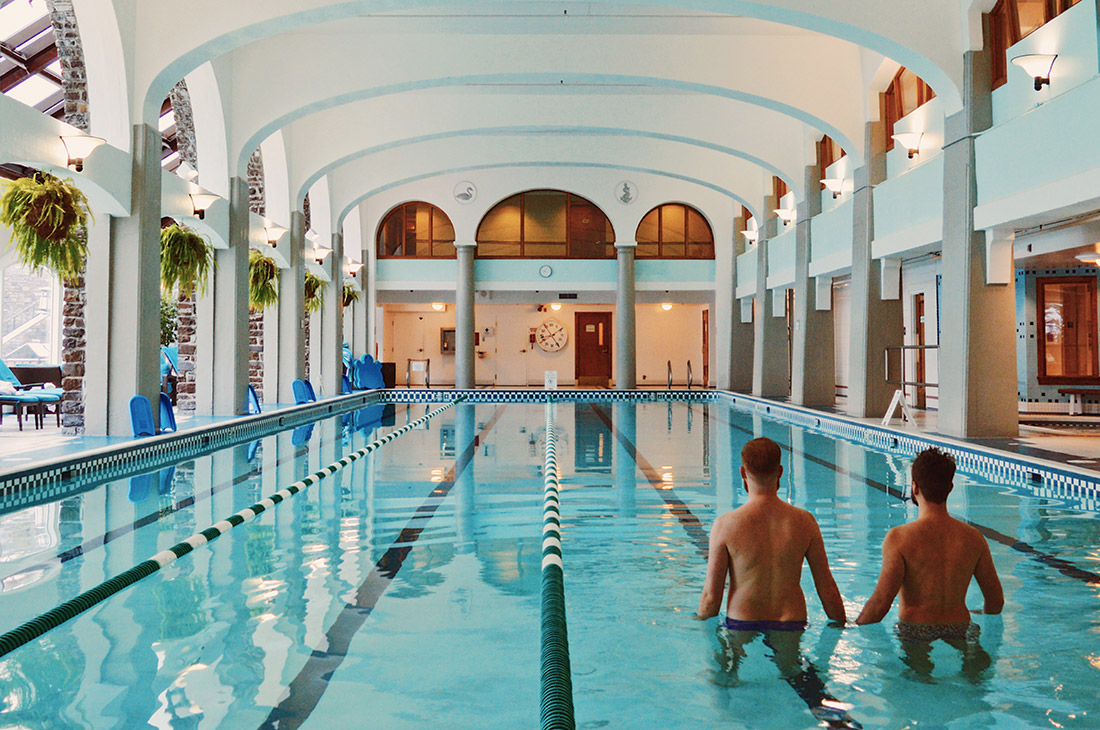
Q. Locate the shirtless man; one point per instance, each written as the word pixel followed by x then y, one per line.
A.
pixel 931 561
pixel 760 546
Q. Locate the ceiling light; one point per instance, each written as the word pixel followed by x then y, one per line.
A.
pixel 438 306
pixel 1038 66
pixel 187 172
pixel 78 147
pixel 556 306
pixel 666 306
pixel 785 214
pixel 910 141
pixel 1089 258
pixel 201 202
pixel 273 233
pixel 834 185
pixel 312 235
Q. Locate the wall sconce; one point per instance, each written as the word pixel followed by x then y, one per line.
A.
pixel 200 202
pixel 1038 66
pixel 352 267
pixel 273 233
pixel 666 306
pixel 318 254
pixel 438 306
pixel 556 306
pixel 752 236
pixel 78 147
pixel 785 214
pixel 187 172
pixel 1089 258
pixel 312 236
pixel 910 141
pixel 834 185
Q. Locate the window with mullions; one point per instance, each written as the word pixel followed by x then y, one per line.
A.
pixel 906 92
pixel 674 231
pixel 416 230
pixel 545 224
pixel 1067 329
pixel 1012 20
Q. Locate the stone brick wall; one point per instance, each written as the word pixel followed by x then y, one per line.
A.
pixel 180 98
pixel 257 203
pixel 74 77
pixel 186 337
pixel 305 315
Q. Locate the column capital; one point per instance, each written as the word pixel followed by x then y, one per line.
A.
pixel 465 244
pixel 625 245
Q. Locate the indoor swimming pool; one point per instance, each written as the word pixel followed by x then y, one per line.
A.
pixel 403 591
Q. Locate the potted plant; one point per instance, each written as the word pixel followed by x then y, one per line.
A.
pixel 48 218
pixel 351 294
pixel 315 287
pixel 263 280
pixel 185 260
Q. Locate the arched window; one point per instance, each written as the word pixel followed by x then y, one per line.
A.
pixel 905 93
pixel 545 224
pixel 674 231
pixel 416 230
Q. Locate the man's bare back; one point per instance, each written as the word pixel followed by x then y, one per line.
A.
pixel 760 547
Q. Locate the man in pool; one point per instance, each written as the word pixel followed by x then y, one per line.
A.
pixel 931 561
pixel 760 546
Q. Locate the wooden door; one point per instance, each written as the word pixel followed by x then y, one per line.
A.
pixel 918 315
pixel 593 350
pixel 706 348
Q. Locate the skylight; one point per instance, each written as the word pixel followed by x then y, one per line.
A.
pixel 33 90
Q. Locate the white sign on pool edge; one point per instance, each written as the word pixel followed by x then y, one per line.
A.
pixel 550 379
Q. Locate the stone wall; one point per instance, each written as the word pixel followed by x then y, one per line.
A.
pixel 187 330
pixel 180 99
pixel 305 315
pixel 257 203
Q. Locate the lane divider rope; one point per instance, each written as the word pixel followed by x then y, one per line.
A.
pixel 72 608
pixel 556 684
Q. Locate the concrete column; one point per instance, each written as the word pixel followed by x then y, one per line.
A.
pixel 875 323
pixel 204 348
pixel 231 309
pixel 292 340
pixel 769 355
pixel 360 345
pixel 464 316
pixel 97 309
pixel 813 382
pixel 741 333
pixel 271 355
pixel 133 328
pixel 626 368
pixel 332 319
pixel 978 339
pixel 724 312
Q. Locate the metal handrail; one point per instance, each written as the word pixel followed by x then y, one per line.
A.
pixel 670 375
pixel 427 371
pixel 690 377
pixel 903 381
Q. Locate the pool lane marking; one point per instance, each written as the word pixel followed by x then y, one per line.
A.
pixel 1063 566
pixel 72 608
pixel 807 682
pixel 555 677
pixel 306 689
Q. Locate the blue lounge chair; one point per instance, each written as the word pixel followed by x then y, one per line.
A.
pixel 312 392
pixel 253 401
pixel 141 417
pixel 21 402
pixel 42 395
pixel 167 415
pixel 303 393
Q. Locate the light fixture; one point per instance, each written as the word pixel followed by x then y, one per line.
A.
pixel 273 233
pixel 312 236
pixel 352 267
pixel 318 254
pixel 187 172
pixel 78 147
pixel 438 306
pixel 785 214
pixel 666 306
pixel 1038 66
pixel 200 202
pixel 751 235
pixel 1089 258
pixel 834 185
pixel 556 306
pixel 910 141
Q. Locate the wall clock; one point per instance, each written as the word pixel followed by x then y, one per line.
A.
pixel 551 335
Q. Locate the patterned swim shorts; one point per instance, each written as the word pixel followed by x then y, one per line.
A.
pixel 928 633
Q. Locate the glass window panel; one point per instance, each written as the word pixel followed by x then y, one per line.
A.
pixel 587 229
pixel 698 230
pixel 907 83
pixel 423 221
pixel 501 223
pixel 389 235
pixel 647 229
pixel 544 212
pixel 409 233
pixel 28 304
pixel 32 90
pixel 672 225
pixel 700 251
pixel 609 232
pixel 673 250
pixel 493 250
pixel 442 230
pixel 544 250
pixel 444 249
pixel 1069 329
pixel 1032 14
pixel 646 251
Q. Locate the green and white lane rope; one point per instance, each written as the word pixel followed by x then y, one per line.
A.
pixel 556 685
pixel 72 608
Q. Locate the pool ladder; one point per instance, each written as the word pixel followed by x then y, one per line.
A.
pixel 690 376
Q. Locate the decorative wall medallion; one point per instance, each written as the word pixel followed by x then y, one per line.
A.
pixel 626 192
pixel 545 271
pixel 551 335
pixel 465 192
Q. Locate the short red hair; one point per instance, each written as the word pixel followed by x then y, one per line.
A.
pixel 761 457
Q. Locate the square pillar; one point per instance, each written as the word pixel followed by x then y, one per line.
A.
pixel 332 322
pixel 742 334
pixel 292 339
pixel 769 361
pixel 230 300
pixel 813 381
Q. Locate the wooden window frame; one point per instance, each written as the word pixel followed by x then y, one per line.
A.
pixel 568 236
pixel 1040 323
pixel 825 157
pixel 892 104
pixel 1002 31
pixel 687 242
pixel 402 210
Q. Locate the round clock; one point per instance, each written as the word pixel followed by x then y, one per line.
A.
pixel 551 335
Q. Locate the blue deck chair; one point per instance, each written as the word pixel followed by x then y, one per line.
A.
pixel 303 393
pixel 42 395
pixel 141 417
pixel 309 387
pixel 253 401
pixel 19 403
pixel 345 385
pixel 301 435
pixel 167 415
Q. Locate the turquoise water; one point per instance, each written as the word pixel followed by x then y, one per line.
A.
pixel 403 592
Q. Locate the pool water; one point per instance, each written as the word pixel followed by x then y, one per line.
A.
pixel 403 591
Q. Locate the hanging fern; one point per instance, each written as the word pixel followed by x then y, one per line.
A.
pixel 315 293
pixel 351 295
pixel 48 218
pixel 185 260
pixel 263 281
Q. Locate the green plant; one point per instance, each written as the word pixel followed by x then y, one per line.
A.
pixel 186 259
pixel 315 297
pixel 48 218
pixel 351 295
pixel 263 280
pixel 169 322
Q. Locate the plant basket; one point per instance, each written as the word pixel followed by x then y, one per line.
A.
pixel 186 259
pixel 263 280
pixel 48 220
pixel 315 293
pixel 351 295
